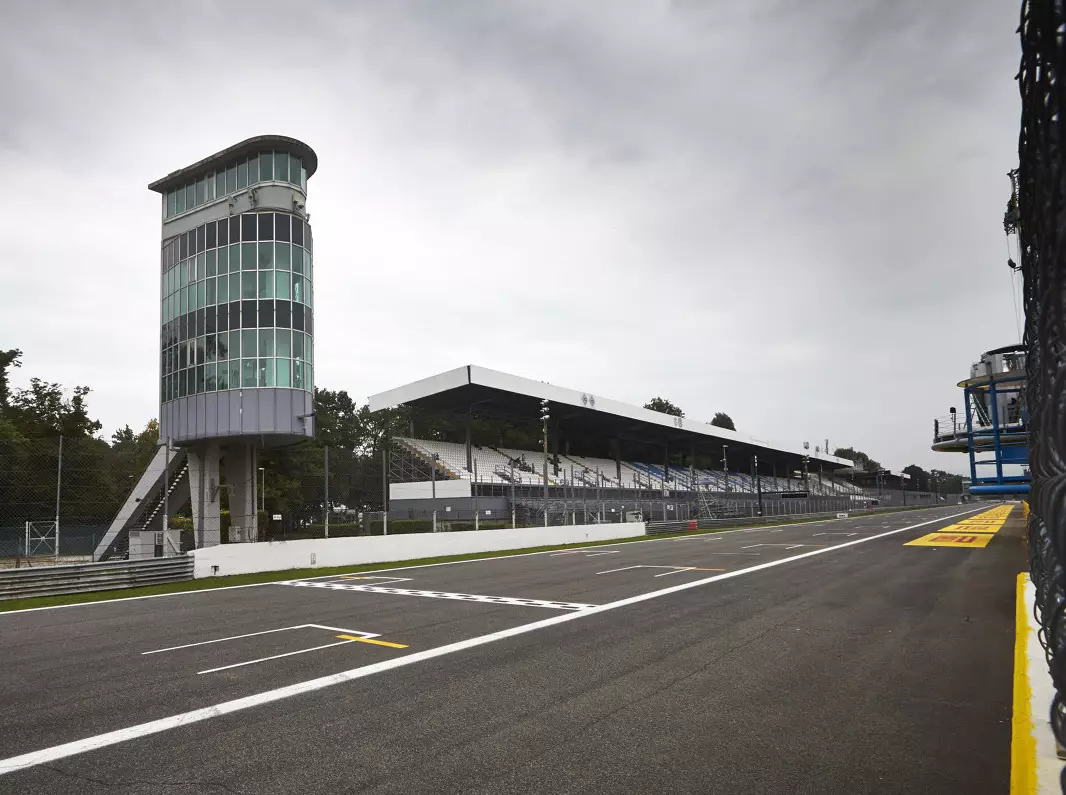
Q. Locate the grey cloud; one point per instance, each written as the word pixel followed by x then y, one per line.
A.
pixel 786 210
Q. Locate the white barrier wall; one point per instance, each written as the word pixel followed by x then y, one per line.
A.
pixel 444 489
pixel 322 553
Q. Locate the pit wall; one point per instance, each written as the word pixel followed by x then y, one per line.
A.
pixel 323 553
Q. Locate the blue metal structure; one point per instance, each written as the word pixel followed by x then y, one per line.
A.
pixel 994 433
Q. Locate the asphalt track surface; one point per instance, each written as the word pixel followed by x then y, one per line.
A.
pixel 866 666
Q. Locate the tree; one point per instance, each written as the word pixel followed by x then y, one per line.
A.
pixel 723 420
pixel 859 458
pixel 664 406
pixel 11 358
pixel 920 479
pixel 44 410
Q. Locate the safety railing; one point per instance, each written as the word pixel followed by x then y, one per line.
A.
pixel 58 580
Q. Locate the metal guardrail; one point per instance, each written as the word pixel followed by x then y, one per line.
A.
pixel 661 528
pixel 82 578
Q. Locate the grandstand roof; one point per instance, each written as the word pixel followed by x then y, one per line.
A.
pixel 491 393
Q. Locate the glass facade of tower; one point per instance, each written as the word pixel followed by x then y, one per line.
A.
pixel 235 176
pixel 237 309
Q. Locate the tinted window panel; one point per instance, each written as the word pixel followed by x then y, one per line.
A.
pixel 248 227
pixel 297 231
pixel 211 237
pixel 298 317
pixel 266 226
pixel 266 166
pixel 281 227
pixel 234 315
pixel 235 229
pixel 223 232
pixel 283 314
pixel 248 314
pixel 266 313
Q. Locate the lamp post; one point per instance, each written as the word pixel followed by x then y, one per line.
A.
pixel 544 416
pixel 262 489
pixel 725 467
pixel 758 482
pixel 433 487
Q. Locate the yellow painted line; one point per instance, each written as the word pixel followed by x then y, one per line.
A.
pixel 941 539
pixel 1022 742
pixel 372 640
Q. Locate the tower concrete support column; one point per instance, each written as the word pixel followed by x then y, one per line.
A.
pixel 204 494
pixel 242 466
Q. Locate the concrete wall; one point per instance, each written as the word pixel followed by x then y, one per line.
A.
pixel 281 555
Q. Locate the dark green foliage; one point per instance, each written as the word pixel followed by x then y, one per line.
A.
pixel 723 420
pixel 664 406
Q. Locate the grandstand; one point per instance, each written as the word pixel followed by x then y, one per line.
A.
pixel 483 429
pixel 504 466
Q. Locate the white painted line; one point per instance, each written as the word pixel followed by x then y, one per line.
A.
pixel 202 591
pixel 557 554
pixel 462 597
pixel 675 571
pixel 46 755
pixel 794 546
pixel 624 568
pixel 378 580
pixel 273 657
pixel 752 546
pixel 264 632
pixel 756 554
pixel 597 554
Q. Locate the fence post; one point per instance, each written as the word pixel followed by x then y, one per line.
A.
pixel 166 497
pixel 477 511
pixel 325 458
pixel 385 487
pixel 59 483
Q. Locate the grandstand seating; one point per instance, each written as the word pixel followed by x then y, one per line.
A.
pixel 497 465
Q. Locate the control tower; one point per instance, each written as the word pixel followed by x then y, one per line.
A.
pixel 236 342
pixel 992 428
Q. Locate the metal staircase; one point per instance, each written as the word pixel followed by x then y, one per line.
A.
pixel 145 501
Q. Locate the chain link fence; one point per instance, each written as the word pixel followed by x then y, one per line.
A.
pixel 58 495
pixel 1039 212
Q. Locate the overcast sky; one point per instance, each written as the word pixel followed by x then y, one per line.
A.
pixel 789 210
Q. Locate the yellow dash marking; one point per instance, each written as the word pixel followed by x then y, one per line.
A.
pixel 1022 742
pixel 375 642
